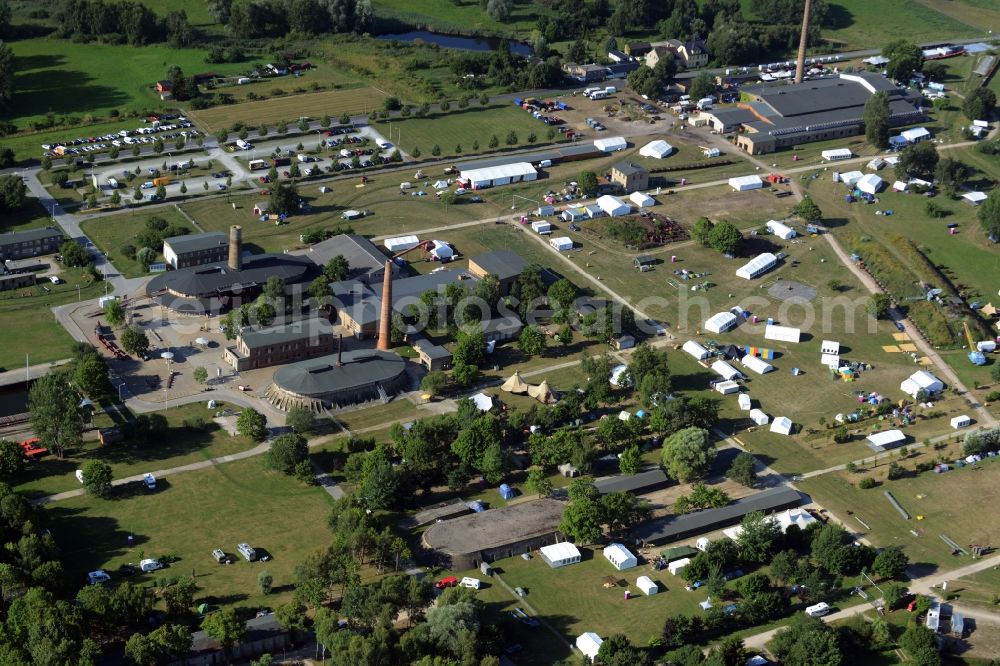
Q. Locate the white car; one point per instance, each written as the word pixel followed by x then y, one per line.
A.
pixel 149 480
pixel 474 583
pixel 98 577
pixel 150 565
pixel 383 144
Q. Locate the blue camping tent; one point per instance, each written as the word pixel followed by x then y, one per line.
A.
pixel 507 492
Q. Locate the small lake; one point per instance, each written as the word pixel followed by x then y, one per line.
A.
pixel 457 42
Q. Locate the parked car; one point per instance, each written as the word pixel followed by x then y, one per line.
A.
pixel 248 553
pixel 450 581
pixel 148 565
pixel 148 185
pixel 98 577
pixel 468 581
pixel 221 557
pixel 149 480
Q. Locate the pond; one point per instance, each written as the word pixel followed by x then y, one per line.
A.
pixel 457 42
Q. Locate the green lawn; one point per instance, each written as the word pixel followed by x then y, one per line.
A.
pixel 464 127
pixel 31 328
pixel 463 17
pixel 87 80
pixel 180 446
pixel 30 216
pixel 860 24
pixel 113 232
pixel 978 589
pixel 957 503
pixel 191 514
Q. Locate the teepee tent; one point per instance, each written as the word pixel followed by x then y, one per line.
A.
pixel 542 393
pixel 515 384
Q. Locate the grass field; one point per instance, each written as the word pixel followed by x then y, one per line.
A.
pixel 313 105
pixel 81 80
pixel 464 127
pixel 31 328
pixel 30 216
pixel 957 503
pixel 978 589
pixel 189 516
pixel 860 24
pixel 465 17
pixel 112 233
pixel 180 446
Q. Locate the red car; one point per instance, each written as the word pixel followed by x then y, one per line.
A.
pixel 451 581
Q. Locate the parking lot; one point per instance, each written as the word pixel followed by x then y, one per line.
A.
pixel 168 128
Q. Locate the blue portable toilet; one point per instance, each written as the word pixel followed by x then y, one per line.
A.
pixel 507 492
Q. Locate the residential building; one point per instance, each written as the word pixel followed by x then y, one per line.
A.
pixel 590 73
pixel 655 54
pixel 630 176
pixel 693 53
pixel 30 243
pixel 195 249
pixel 637 49
pixel 277 345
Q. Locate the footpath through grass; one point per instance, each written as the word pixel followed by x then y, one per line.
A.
pixel 180 445
pixel 191 514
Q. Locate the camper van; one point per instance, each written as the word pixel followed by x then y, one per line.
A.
pixel 818 610
pixel 244 145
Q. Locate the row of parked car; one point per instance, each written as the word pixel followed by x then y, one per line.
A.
pixel 124 137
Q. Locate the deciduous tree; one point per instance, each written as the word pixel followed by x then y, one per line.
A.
pixel 252 424
pixel 55 416
pixel 688 454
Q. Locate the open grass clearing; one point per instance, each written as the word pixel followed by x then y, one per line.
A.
pixel 88 80
pixel 312 105
pixel 112 233
pixel 191 514
pixel 31 330
pixel 466 127
pixel 980 589
pixel 957 504
pixel 860 24
pixel 180 446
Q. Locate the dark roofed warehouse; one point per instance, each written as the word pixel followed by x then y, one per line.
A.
pixel 495 534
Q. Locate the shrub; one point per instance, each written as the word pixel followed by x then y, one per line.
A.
pixel 867 483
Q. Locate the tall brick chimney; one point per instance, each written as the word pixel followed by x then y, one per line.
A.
pixel 800 62
pixel 385 318
pixel 235 247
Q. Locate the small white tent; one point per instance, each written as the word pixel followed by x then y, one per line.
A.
pixel 915 134
pixel 921 380
pixel 759 417
pixel 837 154
pixel 641 200
pixel 647 585
pixel 401 243
pixel 611 144
pixel 782 425
pixel 541 227
pixel 758 365
pixel 677 565
pixel 618 377
pixel 442 251
pixel 974 198
pixel 725 370
pixel 613 206
pixel 782 231
pixel 721 322
pixel 696 350
pixel 656 149
pixel 744 183
pixel 744 401
pixel 962 421
pixel 562 243
pixel 727 387
pixel 870 184
pixel 620 556
pixel 560 554
pixel 851 177
pixel 782 333
pixel 589 644
pixel 757 266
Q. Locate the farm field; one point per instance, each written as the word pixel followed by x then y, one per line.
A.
pixel 956 503
pixel 464 127
pixel 31 328
pixel 181 446
pixel 112 232
pixel 858 24
pixel 88 80
pixel 312 105
pixel 191 515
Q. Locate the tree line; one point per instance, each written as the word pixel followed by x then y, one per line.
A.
pixel 275 18
pixel 123 21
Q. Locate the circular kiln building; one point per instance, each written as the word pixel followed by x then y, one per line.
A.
pixel 336 380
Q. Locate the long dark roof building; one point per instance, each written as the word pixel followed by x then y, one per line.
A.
pixel 643 482
pixel 674 527
pixel 818 109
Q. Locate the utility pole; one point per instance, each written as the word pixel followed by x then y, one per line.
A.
pixel 800 62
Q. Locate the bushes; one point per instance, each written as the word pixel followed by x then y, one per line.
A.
pixel 867 483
